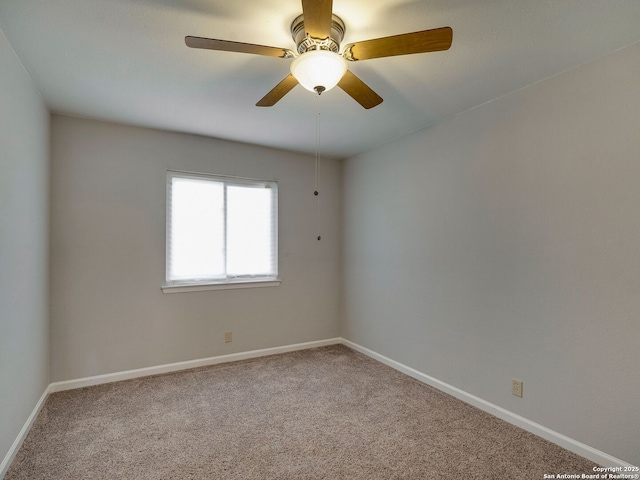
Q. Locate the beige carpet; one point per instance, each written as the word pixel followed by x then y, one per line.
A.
pixel 325 413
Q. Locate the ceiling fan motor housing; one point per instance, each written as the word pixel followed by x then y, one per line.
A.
pixel 305 43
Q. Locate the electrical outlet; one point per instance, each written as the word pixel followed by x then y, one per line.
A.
pixel 228 337
pixel 516 387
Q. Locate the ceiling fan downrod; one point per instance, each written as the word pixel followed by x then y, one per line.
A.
pixel 305 42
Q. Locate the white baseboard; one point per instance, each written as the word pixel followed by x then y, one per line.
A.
pixel 174 367
pixel 11 454
pixel 597 456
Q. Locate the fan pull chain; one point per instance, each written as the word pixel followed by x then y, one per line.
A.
pixel 317 167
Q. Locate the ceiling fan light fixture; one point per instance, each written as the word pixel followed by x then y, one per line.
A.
pixel 318 68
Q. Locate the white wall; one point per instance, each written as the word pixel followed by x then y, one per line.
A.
pixel 505 242
pixel 24 258
pixel 108 312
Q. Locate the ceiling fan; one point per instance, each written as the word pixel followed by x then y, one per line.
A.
pixel 318 66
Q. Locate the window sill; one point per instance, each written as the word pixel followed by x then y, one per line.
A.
pixel 201 287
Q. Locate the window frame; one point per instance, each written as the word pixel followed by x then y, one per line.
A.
pixel 244 281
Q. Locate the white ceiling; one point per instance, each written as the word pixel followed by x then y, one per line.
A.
pixel 126 61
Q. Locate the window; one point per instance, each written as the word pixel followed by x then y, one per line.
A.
pixel 221 231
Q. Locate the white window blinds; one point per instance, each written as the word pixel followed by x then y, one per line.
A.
pixel 220 229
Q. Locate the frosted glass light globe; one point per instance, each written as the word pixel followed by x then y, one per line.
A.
pixel 318 68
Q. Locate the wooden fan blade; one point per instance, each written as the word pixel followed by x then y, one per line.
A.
pixel 228 46
pixel 279 91
pixel 359 91
pixel 317 17
pixel 417 42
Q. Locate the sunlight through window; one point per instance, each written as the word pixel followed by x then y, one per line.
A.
pixel 220 229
